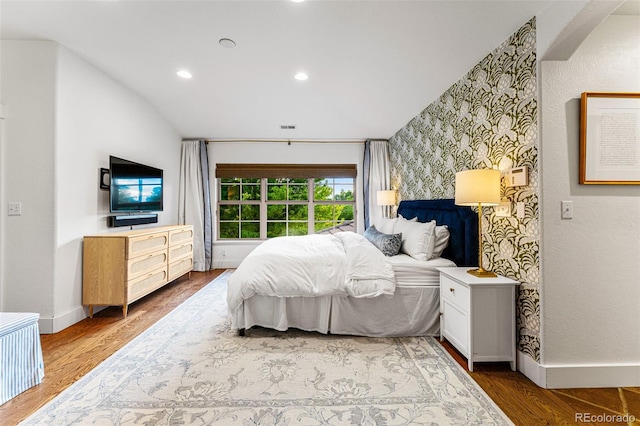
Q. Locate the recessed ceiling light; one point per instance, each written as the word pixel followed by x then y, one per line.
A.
pixel 184 74
pixel 227 42
pixel 301 76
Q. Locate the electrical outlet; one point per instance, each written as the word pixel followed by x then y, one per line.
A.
pixel 224 253
pixel 15 208
pixel 503 209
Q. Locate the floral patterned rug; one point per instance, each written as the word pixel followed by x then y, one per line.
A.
pixel 192 368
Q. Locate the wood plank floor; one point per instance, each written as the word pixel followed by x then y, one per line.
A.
pixel 73 352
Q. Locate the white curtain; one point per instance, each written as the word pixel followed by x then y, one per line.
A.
pixel 194 206
pixel 377 175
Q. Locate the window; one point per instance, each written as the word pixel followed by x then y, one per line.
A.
pixel 305 202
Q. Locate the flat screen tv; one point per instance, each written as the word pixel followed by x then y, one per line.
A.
pixel 134 187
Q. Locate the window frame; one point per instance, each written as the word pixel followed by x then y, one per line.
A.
pixel 278 171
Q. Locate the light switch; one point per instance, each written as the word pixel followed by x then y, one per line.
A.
pixel 520 210
pixel 15 208
pixel 567 209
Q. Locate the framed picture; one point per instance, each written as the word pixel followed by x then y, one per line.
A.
pixel 610 138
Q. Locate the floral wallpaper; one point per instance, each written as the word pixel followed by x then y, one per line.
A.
pixel 488 119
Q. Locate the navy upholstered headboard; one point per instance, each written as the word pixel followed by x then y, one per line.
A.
pixel 461 221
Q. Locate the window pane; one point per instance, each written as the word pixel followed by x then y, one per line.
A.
pixel 298 192
pixel 344 189
pixel 298 212
pixel 276 211
pixel 322 191
pixel 251 192
pixel 230 192
pixel 298 228
pixel 250 212
pixel 345 212
pixel 229 229
pixel 229 212
pixel 276 229
pixel 276 191
pixel 250 229
pixel 323 212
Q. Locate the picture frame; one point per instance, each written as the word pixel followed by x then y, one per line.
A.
pixel 610 138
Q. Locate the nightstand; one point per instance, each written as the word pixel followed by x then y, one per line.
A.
pixel 478 315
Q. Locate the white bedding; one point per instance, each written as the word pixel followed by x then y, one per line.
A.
pixel 412 272
pixel 343 264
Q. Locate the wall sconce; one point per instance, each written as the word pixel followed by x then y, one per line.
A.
pixel 386 198
pixel 478 188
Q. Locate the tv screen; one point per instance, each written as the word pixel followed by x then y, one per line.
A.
pixel 134 187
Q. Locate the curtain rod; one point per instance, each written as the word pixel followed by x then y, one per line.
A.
pixel 290 141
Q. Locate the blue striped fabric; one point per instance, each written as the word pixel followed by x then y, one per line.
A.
pixel 21 364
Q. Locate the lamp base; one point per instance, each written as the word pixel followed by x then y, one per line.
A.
pixel 482 273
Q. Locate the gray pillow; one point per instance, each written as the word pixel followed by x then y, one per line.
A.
pixel 389 244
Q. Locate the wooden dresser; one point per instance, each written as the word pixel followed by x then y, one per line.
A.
pixel 120 268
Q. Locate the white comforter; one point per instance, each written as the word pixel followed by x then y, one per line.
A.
pixel 345 263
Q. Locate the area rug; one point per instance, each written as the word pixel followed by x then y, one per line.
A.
pixel 192 368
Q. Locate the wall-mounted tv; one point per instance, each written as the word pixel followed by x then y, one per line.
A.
pixel 134 187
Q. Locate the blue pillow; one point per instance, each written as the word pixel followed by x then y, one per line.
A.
pixel 389 244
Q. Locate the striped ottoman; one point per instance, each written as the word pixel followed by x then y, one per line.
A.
pixel 21 364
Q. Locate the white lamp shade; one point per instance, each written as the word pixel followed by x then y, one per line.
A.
pixel 480 186
pixel 386 198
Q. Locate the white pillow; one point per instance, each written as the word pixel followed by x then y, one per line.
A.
pixel 418 238
pixel 441 240
pixel 385 225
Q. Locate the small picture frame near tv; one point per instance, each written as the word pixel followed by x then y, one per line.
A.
pixel 134 187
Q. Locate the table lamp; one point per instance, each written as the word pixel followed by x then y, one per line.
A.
pixel 479 188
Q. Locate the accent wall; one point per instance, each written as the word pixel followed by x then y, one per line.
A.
pixel 488 119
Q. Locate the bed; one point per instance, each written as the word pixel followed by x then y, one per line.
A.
pixel 410 307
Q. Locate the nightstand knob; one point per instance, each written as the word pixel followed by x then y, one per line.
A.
pixel 451 289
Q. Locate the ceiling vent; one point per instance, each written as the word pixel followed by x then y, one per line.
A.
pixel 288 126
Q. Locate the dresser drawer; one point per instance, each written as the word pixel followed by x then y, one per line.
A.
pixel 181 236
pixel 180 251
pixel 145 284
pixel 147 263
pixel 180 267
pixel 454 292
pixel 145 244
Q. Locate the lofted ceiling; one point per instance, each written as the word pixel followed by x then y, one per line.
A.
pixel 372 65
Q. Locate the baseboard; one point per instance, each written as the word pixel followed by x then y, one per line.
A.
pixel 592 376
pixel 530 368
pixel 579 376
pixel 225 263
pixel 56 324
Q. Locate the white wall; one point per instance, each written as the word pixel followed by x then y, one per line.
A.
pixel 230 254
pixel 88 117
pixel 28 93
pixel 590 298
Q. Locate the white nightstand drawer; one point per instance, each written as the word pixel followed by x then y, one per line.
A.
pixel 478 315
pixel 455 326
pixel 454 292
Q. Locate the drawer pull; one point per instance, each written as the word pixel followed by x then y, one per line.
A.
pixel 452 290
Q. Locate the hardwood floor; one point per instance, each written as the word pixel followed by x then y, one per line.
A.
pixel 71 353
